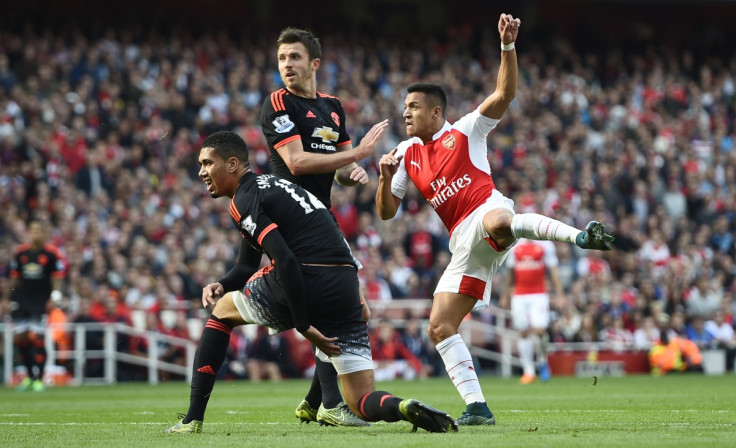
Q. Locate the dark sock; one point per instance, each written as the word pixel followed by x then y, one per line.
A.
pixel 208 359
pixel 380 405
pixel 39 358
pixel 328 381
pixel 314 396
pixel 25 355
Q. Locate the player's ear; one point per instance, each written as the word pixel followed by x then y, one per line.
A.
pixel 316 62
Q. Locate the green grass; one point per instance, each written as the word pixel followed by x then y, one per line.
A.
pixel 636 411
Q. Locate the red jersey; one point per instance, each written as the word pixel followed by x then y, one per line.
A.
pixel 529 261
pixel 452 172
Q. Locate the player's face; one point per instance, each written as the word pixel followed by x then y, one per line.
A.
pixel 418 116
pixel 36 234
pixel 213 171
pixel 296 69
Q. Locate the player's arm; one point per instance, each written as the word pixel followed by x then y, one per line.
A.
pixel 387 204
pixel 554 276
pixel 508 285
pixel 247 263
pixel 57 276
pixel 287 267
pixel 496 104
pixel 301 162
pixel 249 258
pixel 352 174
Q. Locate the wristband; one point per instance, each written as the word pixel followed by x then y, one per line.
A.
pixel 507 47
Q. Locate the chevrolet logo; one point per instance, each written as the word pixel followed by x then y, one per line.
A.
pixel 326 134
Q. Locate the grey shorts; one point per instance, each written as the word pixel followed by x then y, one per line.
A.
pixel 333 306
pixel 35 325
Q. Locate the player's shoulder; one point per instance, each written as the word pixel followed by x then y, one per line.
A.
pixel 22 248
pixel 475 116
pixel 329 98
pixel 276 101
pixel 403 146
pixel 50 248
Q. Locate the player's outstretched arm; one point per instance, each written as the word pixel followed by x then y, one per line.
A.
pixel 496 104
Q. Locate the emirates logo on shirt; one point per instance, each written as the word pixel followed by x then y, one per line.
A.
pixel 449 141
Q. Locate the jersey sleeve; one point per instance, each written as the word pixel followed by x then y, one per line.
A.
pixel 477 127
pixel 276 124
pixel 14 271
pixel 400 181
pixel 252 222
pixel 344 137
pixel 60 263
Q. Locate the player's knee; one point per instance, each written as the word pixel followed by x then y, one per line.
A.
pixel 439 331
pixel 226 311
pixel 497 224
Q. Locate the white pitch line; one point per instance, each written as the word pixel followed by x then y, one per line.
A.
pixel 134 423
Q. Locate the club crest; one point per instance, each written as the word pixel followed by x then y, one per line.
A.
pixel 448 141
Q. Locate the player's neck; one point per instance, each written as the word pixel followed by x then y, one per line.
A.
pixel 429 136
pixel 308 91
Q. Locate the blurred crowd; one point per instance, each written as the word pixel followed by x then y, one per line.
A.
pixel 99 138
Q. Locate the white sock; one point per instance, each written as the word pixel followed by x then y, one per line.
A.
pixel 540 227
pixel 459 366
pixel 526 354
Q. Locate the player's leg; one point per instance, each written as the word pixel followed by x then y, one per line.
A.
pixel 38 346
pixel 448 311
pixel 520 311
pixel 504 227
pixel 208 359
pixel 364 400
pixel 539 318
pixel 307 409
pixel 25 354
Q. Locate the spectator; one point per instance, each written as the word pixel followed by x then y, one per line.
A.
pixel 724 337
pixel 392 358
pixel 416 340
pixel 697 333
pixel 269 358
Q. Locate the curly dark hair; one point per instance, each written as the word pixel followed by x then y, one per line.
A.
pixel 227 144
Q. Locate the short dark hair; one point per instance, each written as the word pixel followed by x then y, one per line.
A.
pixel 227 144
pixel 293 35
pixel 436 95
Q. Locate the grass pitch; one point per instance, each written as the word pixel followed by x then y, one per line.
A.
pixel 673 411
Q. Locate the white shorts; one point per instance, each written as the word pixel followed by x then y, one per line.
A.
pixel 529 311
pixel 346 362
pixel 474 261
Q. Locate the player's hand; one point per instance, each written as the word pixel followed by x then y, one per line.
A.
pixel 322 342
pixel 210 294
pixel 366 313
pixel 389 163
pixel 508 28
pixel 369 142
pixel 359 175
